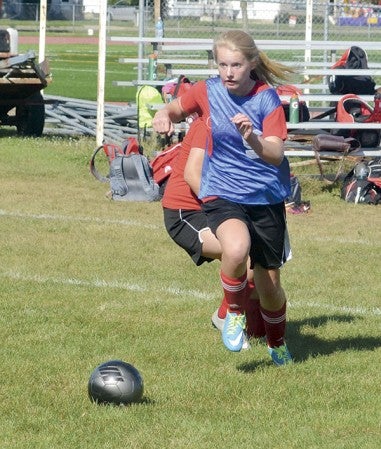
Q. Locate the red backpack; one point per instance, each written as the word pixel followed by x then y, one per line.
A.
pixel 350 109
pixel 162 164
pixel 353 58
pixel 363 183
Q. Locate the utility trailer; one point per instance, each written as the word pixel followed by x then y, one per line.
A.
pixel 21 81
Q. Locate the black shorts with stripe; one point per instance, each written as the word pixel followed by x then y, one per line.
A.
pixel 267 226
pixel 185 228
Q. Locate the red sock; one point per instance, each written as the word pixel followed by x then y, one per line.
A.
pixel 235 291
pixel 255 327
pixel 275 325
pixel 223 308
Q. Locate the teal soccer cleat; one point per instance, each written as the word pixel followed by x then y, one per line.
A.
pixel 233 332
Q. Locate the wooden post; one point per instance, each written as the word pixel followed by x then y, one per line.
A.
pixel 245 21
pixel 42 37
pixel 101 71
pixel 157 7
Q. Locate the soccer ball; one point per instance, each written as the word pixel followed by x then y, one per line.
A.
pixel 115 382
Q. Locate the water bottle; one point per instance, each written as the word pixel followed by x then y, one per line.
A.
pixel 294 109
pixel 159 28
pixel 376 116
pixel 152 67
pixel 361 171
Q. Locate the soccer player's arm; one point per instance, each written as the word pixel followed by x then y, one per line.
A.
pixel 267 144
pixel 165 118
pixel 193 168
pixel 180 108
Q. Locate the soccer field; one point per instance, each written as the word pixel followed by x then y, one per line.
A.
pixel 85 280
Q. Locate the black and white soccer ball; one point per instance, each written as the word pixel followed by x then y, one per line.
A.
pixel 115 382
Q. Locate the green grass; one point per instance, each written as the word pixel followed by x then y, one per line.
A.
pixel 74 70
pixel 85 280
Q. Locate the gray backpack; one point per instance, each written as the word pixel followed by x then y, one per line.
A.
pixel 130 174
pixel 131 179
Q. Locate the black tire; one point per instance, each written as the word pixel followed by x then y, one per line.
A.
pixel 30 118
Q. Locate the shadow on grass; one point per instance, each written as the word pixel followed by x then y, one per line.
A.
pixel 144 401
pixel 304 346
pixel 51 134
pixel 8 132
pixel 255 365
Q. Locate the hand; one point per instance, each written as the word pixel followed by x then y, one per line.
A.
pixel 243 124
pixel 162 124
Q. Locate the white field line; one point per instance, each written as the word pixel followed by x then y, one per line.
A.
pixel 107 221
pixel 70 218
pixel 331 308
pixel 194 294
pixel 99 283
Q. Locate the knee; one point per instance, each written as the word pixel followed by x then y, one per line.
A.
pixel 237 252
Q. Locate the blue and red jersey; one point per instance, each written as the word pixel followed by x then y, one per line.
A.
pixel 232 170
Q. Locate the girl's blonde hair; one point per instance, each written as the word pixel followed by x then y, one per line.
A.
pixel 265 70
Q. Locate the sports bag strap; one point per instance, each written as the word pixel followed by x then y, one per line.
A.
pixel 178 85
pixel 339 170
pixel 93 169
pixel 323 142
pixel 325 114
pixel 111 151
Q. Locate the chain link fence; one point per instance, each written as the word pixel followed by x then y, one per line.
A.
pixel 344 20
pixel 332 20
pixel 341 20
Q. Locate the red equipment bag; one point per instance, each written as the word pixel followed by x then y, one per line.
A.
pixel 353 58
pixel 162 164
pixel 350 109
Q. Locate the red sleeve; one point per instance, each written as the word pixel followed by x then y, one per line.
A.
pixel 178 194
pixel 195 100
pixel 275 124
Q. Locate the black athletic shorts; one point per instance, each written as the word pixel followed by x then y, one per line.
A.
pixel 267 227
pixel 185 227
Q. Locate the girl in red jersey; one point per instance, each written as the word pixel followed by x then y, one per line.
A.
pixel 245 180
pixel 187 225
